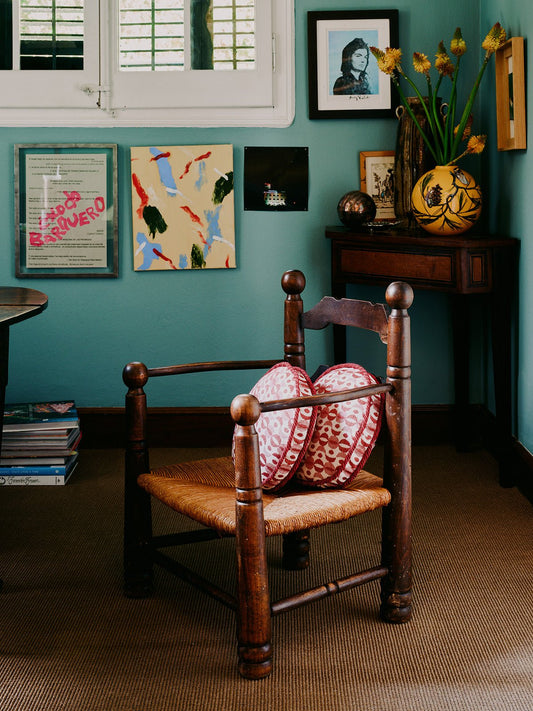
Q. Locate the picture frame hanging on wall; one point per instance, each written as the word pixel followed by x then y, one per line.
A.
pixel 344 79
pixel 66 210
pixel 377 180
pixel 183 212
pixel 511 96
pixel 276 178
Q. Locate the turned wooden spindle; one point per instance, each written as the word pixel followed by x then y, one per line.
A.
pixel 396 543
pixel 254 613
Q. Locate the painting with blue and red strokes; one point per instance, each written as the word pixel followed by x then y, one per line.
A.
pixel 182 207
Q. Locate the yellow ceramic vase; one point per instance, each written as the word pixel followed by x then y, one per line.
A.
pixel 446 201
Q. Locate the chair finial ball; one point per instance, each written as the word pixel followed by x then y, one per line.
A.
pixel 245 409
pixel 399 295
pixel 293 282
pixel 135 375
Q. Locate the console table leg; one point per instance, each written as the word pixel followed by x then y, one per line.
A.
pixel 462 425
pixel 501 304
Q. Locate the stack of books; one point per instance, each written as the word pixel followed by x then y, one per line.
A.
pixel 39 443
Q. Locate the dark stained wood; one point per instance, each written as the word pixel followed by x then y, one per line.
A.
pixel 296 547
pixel 138 558
pixel 328 589
pixel 293 284
pixel 462 267
pixel 253 597
pixel 396 522
pixel 16 304
pixel 212 366
pixel 341 312
pixel 324 398
pixel 252 603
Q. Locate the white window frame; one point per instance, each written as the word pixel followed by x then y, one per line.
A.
pixel 96 95
pixel 34 89
pixel 195 89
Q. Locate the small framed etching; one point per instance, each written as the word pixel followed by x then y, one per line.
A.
pixel 377 180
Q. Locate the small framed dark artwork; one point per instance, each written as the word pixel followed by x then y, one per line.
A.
pixel 511 95
pixel 344 79
pixel 276 179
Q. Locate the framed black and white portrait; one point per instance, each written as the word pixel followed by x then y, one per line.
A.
pixel 344 79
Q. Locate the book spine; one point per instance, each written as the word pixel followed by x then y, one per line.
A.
pixel 28 480
pixel 33 471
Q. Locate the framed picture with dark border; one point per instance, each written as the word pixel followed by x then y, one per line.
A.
pixel 511 96
pixel 344 79
pixel 66 210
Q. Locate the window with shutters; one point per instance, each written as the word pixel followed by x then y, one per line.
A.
pixel 147 62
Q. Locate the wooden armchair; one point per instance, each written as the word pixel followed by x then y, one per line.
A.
pixel 225 494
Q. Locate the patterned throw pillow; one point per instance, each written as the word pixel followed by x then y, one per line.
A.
pixel 283 435
pixel 345 433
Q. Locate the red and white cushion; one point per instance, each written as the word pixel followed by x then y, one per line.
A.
pixel 284 435
pixel 344 433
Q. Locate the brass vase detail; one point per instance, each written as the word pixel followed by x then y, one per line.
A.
pixel 412 158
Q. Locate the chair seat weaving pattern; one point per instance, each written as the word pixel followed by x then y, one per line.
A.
pixel 204 490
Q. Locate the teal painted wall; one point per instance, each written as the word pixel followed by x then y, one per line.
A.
pixel 92 327
pixel 511 174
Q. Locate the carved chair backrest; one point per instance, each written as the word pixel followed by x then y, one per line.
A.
pixel 338 312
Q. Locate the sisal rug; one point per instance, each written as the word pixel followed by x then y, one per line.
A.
pixel 69 640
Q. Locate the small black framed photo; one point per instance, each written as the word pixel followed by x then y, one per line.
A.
pixel 276 179
pixel 344 79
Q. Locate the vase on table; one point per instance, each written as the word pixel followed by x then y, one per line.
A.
pixel 446 201
pixel 411 157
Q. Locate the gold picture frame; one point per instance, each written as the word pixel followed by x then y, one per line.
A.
pixel 511 96
pixel 377 180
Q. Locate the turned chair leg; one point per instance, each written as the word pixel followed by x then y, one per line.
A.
pixel 138 564
pixel 396 537
pixel 296 550
pixel 253 597
pixel 396 595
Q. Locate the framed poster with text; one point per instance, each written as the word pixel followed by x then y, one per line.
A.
pixel 66 210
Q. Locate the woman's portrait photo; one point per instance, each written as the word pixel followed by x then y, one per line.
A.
pixel 354 77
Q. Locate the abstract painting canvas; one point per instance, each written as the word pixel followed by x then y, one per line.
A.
pixel 182 207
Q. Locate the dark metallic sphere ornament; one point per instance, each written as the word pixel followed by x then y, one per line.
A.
pixel 355 208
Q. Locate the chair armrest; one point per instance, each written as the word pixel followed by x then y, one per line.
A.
pixel 136 374
pixel 325 398
pixel 212 366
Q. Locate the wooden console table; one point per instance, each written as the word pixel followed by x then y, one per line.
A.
pixel 16 304
pixel 459 266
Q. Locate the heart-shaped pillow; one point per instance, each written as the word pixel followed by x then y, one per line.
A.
pixel 345 433
pixel 284 435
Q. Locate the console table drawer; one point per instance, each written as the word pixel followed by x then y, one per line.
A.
pixel 399 265
pixel 462 270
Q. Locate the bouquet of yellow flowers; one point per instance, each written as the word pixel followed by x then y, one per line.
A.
pixel 445 139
